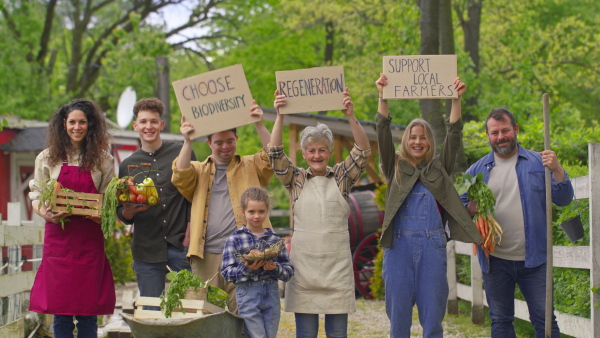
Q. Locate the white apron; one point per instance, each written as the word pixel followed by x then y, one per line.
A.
pixel 323 281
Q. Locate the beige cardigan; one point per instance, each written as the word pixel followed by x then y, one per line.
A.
pixel 43 171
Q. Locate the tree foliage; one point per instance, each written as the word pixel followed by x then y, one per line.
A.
pixel 54 50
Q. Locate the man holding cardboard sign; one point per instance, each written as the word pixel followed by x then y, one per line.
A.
pixel 215 101
pixel 214 187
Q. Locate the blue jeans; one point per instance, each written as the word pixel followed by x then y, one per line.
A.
pixel 307 325
pixel 151 276
pixel 414 272
pixel 259 304
pixel 87 326
pixel 500 284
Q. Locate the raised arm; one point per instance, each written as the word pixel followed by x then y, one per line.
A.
pixel 456 111
pixel 360 137
pixel 276 133
pixel 183 160
pixel 382 108
pixel 263 132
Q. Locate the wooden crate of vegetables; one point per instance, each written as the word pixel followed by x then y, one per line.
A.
pixel 76 203
pixel 191 308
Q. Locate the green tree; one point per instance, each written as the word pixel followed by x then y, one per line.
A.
pixel 57 50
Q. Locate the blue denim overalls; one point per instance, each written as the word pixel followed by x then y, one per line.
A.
pixel 414 268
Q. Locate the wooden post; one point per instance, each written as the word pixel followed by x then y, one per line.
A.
pixel 452 306
pixel 477 315
pixel 14 214
pixel 374 150
pixel 338 150
pixel 594 200
pixel 164 87
pixel 549 249
pixel 293 152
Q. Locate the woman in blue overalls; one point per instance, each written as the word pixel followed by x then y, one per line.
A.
pixel 421 200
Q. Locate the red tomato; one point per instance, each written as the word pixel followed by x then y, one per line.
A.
pixel 134 189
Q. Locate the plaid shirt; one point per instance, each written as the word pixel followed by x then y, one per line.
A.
pixel 243 240
pixel 346 173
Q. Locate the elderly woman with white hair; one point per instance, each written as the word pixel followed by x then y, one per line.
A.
pixel 323 282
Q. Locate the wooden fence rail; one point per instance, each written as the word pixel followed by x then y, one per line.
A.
pixel 574 257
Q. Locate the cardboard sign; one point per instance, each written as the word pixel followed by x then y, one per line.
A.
pixel 215 101
pixel 312 89
pixel 420 77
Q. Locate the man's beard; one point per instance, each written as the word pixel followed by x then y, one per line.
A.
pixel 505 151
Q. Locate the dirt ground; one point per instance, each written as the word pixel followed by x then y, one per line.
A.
pixel 370 320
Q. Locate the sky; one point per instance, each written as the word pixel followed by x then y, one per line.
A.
pixel 173 16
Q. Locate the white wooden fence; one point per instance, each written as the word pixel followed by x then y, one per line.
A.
pixel 15 284
pixel 575 257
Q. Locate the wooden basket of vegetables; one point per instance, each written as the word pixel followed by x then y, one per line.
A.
pixel 76 203
pixel 183 288
pixel 58 198
pixel 258 254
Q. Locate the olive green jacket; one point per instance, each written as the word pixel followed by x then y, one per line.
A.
pixel 434 177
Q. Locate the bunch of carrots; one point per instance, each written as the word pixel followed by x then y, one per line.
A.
pixel 488 227
pixel 490 231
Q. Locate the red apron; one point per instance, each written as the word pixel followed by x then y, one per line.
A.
pixel 74 277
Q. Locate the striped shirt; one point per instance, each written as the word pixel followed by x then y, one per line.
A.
pixel 346 173
pixel 241 241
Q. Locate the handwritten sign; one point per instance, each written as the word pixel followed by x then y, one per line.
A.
pixel 312 89
pixel 420 77
pixel 215 101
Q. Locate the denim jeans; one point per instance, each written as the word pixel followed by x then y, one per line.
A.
pixel 87 326
pixel 307 325
pixel 414 272
pixel 151 277
pixel 500 284
pixel 259 304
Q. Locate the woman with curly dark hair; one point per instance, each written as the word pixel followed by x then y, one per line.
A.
pixel 74 278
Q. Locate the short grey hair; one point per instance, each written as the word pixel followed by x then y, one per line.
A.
pixel 316 134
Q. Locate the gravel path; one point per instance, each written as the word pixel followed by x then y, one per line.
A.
pixel 370 320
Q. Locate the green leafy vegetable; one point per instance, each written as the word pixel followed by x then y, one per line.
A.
pixel 479 192
pixel 108 214
pixel 180 282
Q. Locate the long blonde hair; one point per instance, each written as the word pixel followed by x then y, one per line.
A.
pixel 404 152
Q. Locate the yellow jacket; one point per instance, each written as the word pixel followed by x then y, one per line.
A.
pixel 194 182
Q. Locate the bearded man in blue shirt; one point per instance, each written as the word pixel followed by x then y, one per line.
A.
pixel 516 176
